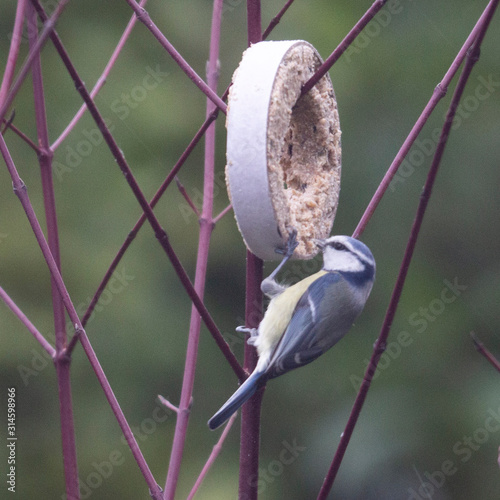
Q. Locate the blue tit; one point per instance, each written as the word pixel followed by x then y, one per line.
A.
pixel 304 320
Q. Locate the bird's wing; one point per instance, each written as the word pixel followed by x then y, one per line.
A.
pixel 320 319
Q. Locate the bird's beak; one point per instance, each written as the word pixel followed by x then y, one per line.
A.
pixel 319 243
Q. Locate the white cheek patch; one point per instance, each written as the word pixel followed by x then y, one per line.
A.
pixel 342 260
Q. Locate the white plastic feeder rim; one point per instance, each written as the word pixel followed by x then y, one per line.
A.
pixel 283 150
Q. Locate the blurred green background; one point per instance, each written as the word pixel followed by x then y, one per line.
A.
pixel 433 413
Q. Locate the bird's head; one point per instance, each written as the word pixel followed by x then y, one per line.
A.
pixel 346 254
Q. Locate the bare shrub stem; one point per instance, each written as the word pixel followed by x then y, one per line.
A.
pixel 206 228
pixel 381 342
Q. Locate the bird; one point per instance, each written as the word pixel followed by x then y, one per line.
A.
pixel 304 320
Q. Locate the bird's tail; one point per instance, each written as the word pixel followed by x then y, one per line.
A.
pixel 241 396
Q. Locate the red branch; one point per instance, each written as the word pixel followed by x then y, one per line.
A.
pixel 250 412
pixel 485 352
pixel 206 228
pixel 276 19
pixel 381 342
pixel 15 44
pixel 27 323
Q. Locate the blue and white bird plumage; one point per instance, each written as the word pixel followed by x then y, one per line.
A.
pixel 304 320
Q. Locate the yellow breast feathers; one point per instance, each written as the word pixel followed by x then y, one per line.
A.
pixel 279 313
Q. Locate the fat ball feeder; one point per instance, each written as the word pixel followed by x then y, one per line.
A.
pixel 283 149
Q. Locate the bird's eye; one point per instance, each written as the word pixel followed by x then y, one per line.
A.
pixel 338 246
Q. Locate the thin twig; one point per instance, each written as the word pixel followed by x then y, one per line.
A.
pixel 351 36
pixel 224 212
pixel 42 38
pixel 276 19
pixel 485 352
pixel 27 323
pixel 73 341
pixel 15 44
pixel 144 17
pixel 101 80
pixel 165 402
pixel 211 459
pixel 206 228
pixel 8 123
pixel 183 191
pixel 22 135
pixel 398 287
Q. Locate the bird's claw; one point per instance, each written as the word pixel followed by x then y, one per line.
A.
pixel 244 329
pixel 291 244
pixel 252 340
pixel 253 332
